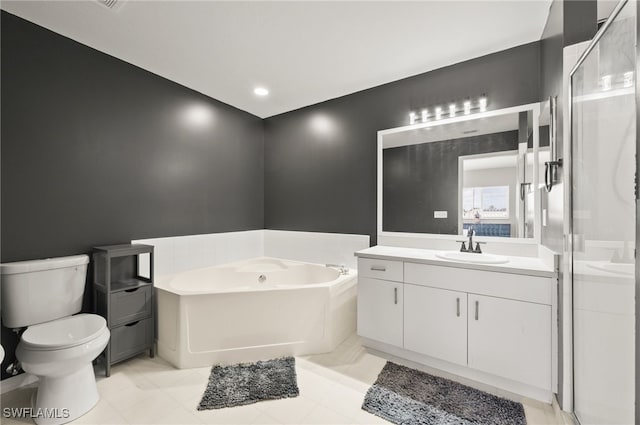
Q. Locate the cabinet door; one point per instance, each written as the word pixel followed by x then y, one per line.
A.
pixel 380 310
pixel 511 339
pixel 435 323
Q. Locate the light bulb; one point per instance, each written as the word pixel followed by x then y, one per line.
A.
pixel 412 118
pixel 467 107
pixel 483 104
pixel 606 82
pixel 438 112
pixel 425 115
pixel 452 110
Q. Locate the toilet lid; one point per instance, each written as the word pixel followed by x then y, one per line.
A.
pixel 64 333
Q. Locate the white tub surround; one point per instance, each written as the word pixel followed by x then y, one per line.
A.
pixel 314 247
pixel 183 253
pixel 493 323
pixel 254 309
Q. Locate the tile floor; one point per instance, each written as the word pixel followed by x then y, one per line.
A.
pixel 332 387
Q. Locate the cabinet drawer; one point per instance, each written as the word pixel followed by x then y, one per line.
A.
pixel 130 339
pixel 130 306
pixel 504 285
pixel 380 269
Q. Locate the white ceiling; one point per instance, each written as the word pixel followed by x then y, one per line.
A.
pixel 303 52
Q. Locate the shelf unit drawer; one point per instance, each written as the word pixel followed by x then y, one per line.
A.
pixel 130 305
pixel 381 269
pixel 130 339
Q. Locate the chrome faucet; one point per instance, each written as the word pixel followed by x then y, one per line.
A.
pixel 341 267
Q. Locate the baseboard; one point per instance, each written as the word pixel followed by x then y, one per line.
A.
pixel 16 382
pixel 562 417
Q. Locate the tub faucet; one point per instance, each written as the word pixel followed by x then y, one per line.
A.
pixel 343 270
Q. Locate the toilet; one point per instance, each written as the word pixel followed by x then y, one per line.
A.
pixel 58 345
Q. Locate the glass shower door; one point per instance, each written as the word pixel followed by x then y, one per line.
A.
pixel 603 210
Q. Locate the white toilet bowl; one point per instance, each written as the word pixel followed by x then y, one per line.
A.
pixel 60 354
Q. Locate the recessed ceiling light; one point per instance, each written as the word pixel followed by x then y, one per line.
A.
pixel 260 91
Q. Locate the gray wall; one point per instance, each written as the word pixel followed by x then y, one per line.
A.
pixel 320 161
pixel 97 151
pixel 421 178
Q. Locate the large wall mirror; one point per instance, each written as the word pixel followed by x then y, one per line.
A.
pixel 479 171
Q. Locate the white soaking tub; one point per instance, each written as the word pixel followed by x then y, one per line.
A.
pixel 254 309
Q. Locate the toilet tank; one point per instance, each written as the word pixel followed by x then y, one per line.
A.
pixel 38 291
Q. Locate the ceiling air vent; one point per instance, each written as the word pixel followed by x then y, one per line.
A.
pixel 111 4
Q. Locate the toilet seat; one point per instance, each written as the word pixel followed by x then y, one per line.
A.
pixel 64 333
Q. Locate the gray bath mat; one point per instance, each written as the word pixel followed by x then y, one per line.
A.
pixel 248 383
pixel 406 396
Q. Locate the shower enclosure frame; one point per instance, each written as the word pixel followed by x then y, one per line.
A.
pixel 568 197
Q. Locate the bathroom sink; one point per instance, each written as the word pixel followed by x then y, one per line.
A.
pixel 469 257
pixel 627 269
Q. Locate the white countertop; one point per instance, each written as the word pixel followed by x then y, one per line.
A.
pixel 533 266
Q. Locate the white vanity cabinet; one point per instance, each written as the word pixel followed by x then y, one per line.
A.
pixel 380 310
pixel 492 326
pixel 380 300
pixel 511 339
pixel 435 322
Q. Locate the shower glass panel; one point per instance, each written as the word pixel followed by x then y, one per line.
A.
pixel 603 149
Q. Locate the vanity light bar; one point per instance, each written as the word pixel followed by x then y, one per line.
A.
pixel 467 108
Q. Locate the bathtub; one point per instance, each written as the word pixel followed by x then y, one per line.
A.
pixel 254 309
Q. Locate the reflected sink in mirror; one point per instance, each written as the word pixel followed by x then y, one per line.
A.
pixel 469 257
pixel 627 269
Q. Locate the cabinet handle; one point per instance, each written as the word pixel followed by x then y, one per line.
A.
pixel 477 308
pixel 395 295
pixel 133 323
pixel 379 268
pixel 131 290
pixel 458 307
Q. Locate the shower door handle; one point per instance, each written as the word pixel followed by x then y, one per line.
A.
pixel 395 295
pixel 524 188
pixel 550 173
pixel 551 167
